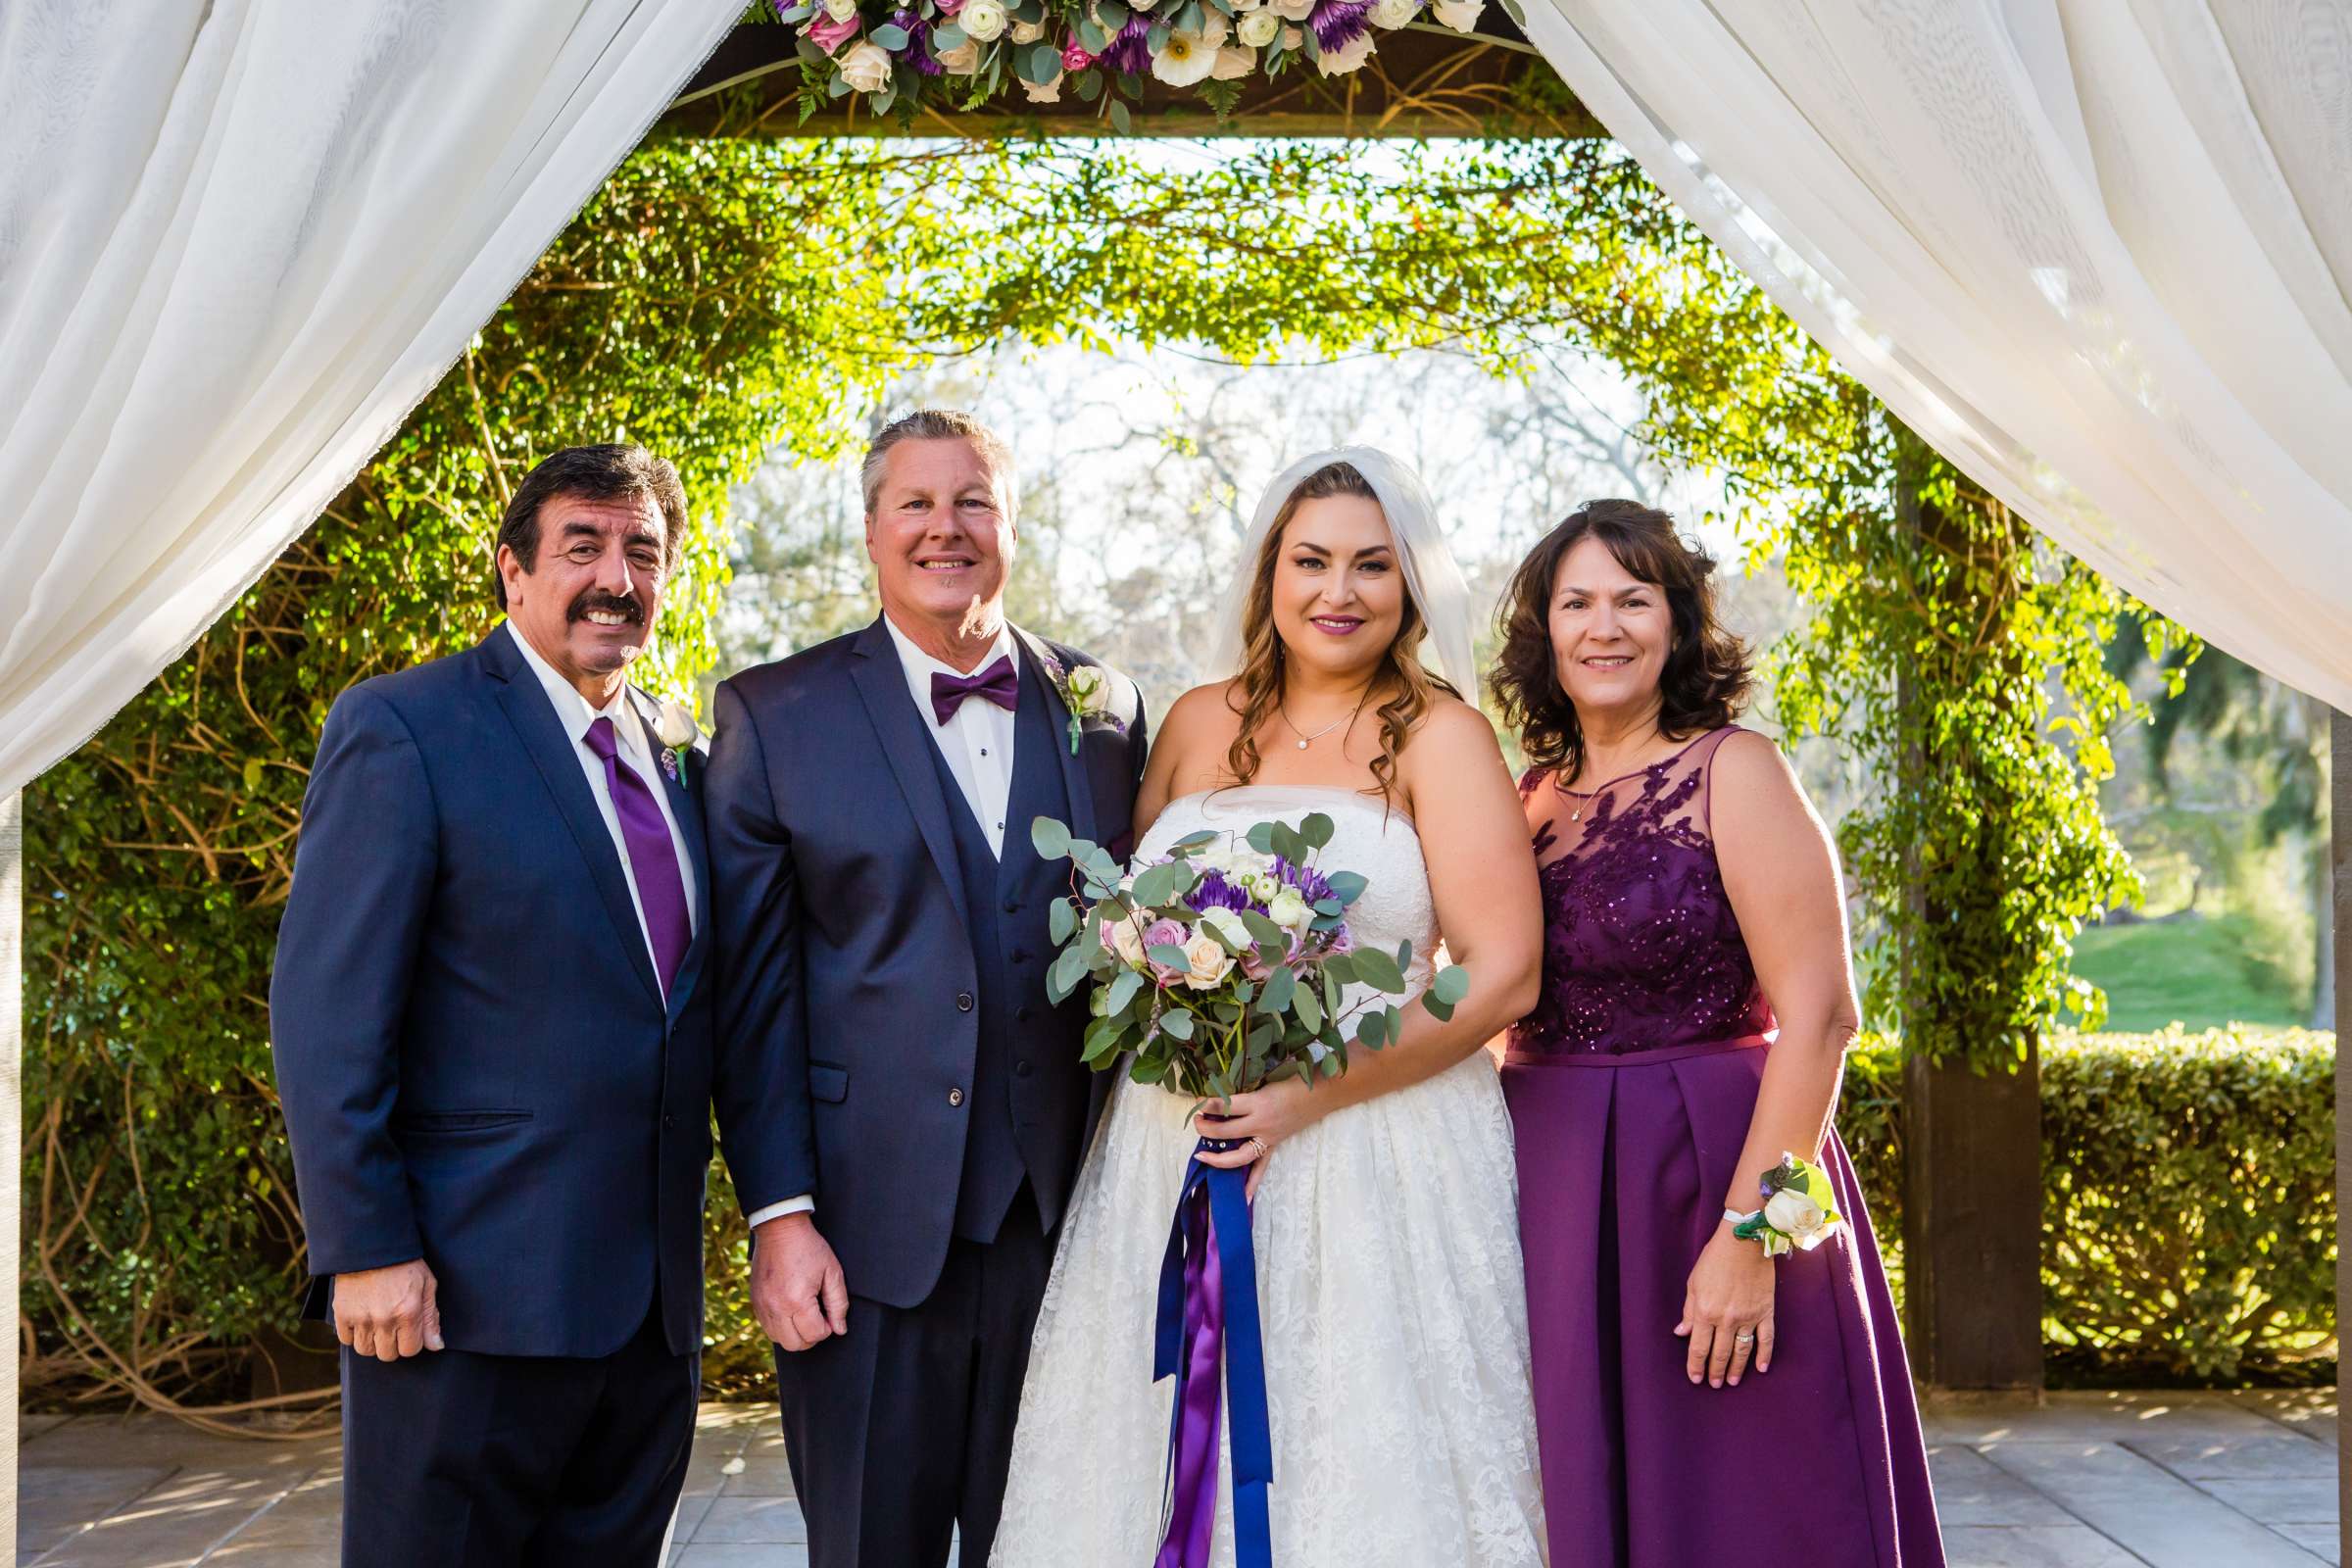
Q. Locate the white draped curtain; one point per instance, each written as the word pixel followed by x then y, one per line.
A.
pixel 2097 252
pixel 239 239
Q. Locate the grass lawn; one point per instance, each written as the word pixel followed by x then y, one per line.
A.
pixel 2201 973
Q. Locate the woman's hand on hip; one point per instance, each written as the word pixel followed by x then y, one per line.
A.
pixel 1727 1309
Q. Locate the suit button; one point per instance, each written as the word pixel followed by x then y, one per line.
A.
pixel 1013 905
pixel 1023 1014
pixel 1021 955
pixel 955 1097
pixel 1020 1069
pixel 669 1122
pixel 963 1002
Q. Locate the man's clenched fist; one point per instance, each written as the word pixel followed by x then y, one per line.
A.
pixel 388 1312
pixel 797 1293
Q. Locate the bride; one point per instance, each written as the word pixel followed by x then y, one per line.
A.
pixel 1385 1217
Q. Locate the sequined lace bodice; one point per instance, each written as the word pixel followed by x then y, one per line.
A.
pixel 1641 946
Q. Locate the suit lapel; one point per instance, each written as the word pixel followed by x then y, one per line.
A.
pixel 1043 667
pixel 881 681
pixel 687 807
pixel 553 752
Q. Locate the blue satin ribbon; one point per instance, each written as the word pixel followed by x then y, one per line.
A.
pixel 1208 1313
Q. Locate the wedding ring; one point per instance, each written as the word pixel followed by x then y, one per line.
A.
pixel 1259 1144
pixel 1743 1338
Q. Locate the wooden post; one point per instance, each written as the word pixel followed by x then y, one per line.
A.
pixel 12 1045
pixel 2339 797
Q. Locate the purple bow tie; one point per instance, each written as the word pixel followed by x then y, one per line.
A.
pixel 998 683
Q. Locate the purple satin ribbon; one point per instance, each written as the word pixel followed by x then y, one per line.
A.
pixel 1193 1512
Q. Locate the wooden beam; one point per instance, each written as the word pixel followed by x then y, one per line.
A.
pixel 1972 1226
pixel 1424 81
pixel 2339 806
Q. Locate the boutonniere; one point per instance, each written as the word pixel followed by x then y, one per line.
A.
pixel 1084 692
pixel 676 732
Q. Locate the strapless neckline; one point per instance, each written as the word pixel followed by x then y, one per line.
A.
pixel 1342 792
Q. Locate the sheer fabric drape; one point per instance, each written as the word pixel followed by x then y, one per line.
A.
pixel 239 240
pixel 2097 252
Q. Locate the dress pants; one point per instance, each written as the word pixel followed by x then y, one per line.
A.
pixel 900 1432
pixel 493 1462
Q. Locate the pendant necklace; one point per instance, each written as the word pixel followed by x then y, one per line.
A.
pixel 1305 739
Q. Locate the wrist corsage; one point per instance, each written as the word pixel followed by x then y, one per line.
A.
pixel 1799 1213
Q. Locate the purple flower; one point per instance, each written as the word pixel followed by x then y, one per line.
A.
pixel 918 43
pixel 1307 879
pixel 1129 53
pixel 1338 23
pixel 1213 892
pixel 1339 939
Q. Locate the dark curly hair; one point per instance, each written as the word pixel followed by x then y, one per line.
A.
pixel 1706 679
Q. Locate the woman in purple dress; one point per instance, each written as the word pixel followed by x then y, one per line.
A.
pixel 1698 1401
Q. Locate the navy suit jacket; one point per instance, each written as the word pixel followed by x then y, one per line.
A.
pixel 846 972
pixel 475 1059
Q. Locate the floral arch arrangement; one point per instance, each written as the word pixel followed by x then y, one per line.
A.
pixel 905 55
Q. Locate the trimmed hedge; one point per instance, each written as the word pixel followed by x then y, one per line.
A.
pixel 2188 1228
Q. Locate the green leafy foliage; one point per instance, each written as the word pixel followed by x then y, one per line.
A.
pixel 2189 1227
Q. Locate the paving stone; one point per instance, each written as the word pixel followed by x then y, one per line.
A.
pixel 764 1520
pixel 174 1524
pixel 2094 1418
pixel 54 1502
pixel 2068 1546
pixel 2288 1501
pixel 2144 1508
pixel 2320 1540
pixel 310 1515
pixel 764 1471
pixel 2209 1458
pixel 1971 1490
pixel 698 1555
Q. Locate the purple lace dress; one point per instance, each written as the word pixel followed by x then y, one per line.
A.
pixel 1631 1086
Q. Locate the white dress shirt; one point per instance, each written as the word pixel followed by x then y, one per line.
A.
pixel 977 745
pixel 635 748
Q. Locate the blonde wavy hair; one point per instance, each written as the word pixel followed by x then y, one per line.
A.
pixel 1255 693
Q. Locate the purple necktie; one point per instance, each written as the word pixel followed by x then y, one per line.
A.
pixel 653 857
pixel 998 683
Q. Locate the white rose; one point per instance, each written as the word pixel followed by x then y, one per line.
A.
pixel 1293 10
pixel 1793 1213
pixel 1291 37
pixel 1233 61
pixel 1207 962
pixel 1290 910
pixel 867 68
pixel 1226 924
pixel 961 61
pixel 1460 15
pixel 1028 31
pixel 1089 687
pixel 1043 92
pixel 1128 943
pixel 1258 28
pixel 982 20
pixel 1184 60
pixel 1394 14
pixel 1339 62
pixel 675 727
pixel 840 11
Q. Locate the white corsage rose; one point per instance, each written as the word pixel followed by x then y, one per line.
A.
pixel 867 68
pixel 1794 1215
pixel 1259 28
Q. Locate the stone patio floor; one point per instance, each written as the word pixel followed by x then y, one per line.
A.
pixel 2085 1481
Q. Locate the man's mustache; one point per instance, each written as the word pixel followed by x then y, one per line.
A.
pixel 609 604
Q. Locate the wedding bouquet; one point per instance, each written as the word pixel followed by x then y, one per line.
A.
pixel 1224 967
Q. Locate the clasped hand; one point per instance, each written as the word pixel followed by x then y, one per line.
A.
pixel 1270 1114
pixel 388 1312
pixel 798 1292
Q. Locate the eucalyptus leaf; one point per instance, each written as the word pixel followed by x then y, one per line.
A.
pixel 1051 838
pixel 889 36
pixel 1315 830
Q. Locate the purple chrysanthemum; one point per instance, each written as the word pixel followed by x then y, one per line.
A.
pixel 1305 878
pixel 1129 53
pixel 1338 23
pixel 1213 892
pixel 918 43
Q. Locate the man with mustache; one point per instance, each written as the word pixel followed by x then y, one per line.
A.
pixel 492 1021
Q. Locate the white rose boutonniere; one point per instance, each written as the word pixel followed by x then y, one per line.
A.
pixel 675 730
pixel 1086 692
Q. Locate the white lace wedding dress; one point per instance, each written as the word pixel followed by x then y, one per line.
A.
pixel 1389 1281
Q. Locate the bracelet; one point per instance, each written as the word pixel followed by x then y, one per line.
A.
pixel 1799 1210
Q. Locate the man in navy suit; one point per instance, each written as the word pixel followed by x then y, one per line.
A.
pixel 492 1021
pixel 911 1108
